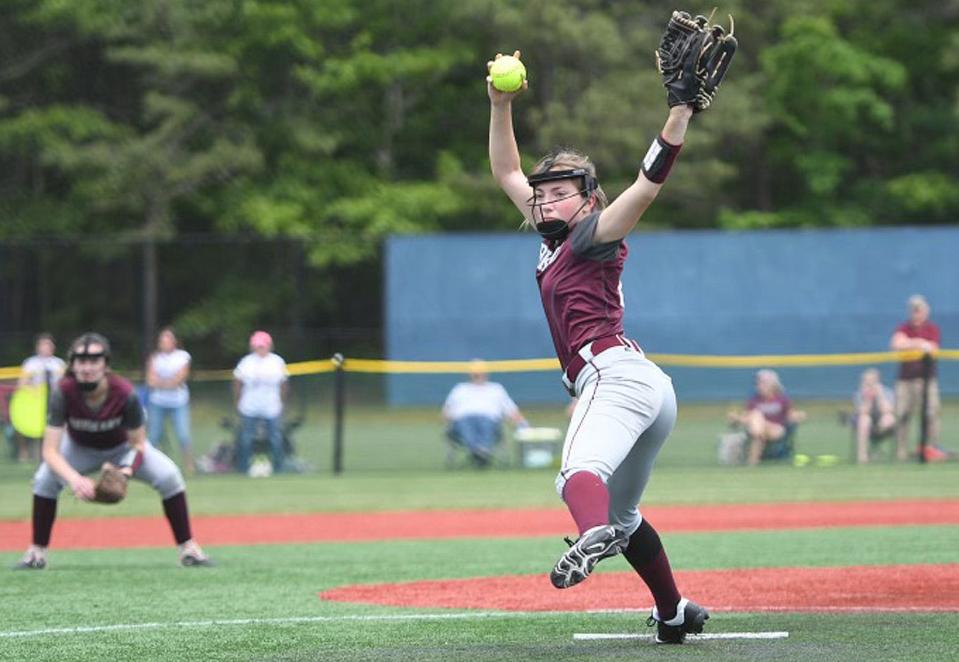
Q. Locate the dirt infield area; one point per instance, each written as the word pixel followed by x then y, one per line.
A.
pixel 442 524
pixel 858 588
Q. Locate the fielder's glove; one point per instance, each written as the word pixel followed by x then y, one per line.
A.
pixel 111 486
pixel 693 57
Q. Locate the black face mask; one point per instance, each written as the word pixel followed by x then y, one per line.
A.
pixel 86 387
pixel 553 230
pixel 558 230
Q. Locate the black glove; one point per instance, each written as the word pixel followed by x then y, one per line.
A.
pixel 693 57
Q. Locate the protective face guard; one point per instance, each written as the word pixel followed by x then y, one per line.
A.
pixel 83 354
pixel 589 182
pixel 557 230
pixel 80 349
pixel 89 356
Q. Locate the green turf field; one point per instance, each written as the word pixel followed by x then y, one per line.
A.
pixel 261 601
pixel 143 589
pixel 379 438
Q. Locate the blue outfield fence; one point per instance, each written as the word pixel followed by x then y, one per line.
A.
pixel 453 297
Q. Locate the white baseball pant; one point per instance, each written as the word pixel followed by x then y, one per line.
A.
pixel 625 412
pixel 157 469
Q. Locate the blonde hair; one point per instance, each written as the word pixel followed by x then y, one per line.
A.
pixel 770 376
pixel 478 367
pixel 870 374
pixel 567 159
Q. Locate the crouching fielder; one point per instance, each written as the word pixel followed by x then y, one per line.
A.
pixel 626 405
pixel 94 421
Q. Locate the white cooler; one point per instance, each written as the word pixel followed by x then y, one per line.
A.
pixel 538 448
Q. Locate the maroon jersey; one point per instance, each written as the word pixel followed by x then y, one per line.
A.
pixel 774 410
pixel 927 331
pixel 579 282
pixel 103 427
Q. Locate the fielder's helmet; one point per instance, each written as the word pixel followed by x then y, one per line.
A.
pixel 81 347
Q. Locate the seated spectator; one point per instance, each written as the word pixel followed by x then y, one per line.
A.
pixel 874 414
pixel 474 411
pixel 768 417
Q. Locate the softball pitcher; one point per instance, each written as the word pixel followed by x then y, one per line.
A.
pixel 626 405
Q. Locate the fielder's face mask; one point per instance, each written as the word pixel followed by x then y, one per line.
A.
pixel 558 229
pixel 88 350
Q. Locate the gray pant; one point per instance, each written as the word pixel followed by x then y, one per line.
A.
pixel 625 412
pixel 157 469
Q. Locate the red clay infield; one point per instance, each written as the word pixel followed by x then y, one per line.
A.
pixel 335 527
pixel 902 587
pixel 857 588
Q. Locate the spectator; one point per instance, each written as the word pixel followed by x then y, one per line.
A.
pixel 41 368
pixel 260 388
pixel 768 417
pixel 7 430
pixel 474 411
pixel 917 334
pixel 874 415
pixel 167 371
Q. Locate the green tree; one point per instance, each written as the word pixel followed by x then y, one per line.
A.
pixel 131 154
pixel 322 127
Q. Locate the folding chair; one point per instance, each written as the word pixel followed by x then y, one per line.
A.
pixel 460 454
pixel 783 448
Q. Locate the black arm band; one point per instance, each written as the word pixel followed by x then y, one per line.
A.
pixel 659 159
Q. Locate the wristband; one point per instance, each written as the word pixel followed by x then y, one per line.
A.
pixel 659 159
pixel 132 459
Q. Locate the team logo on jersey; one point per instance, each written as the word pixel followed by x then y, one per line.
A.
pixel 547 256
pixel 92 425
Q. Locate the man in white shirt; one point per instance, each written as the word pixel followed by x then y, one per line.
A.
pixel 259 388
pixel 475 410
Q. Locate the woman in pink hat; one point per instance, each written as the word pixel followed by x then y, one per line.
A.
pixel 259 390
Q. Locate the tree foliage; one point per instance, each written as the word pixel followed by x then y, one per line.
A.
pixel 338 123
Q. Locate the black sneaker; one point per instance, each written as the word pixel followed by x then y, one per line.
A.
pixel 689 619
pixel 597 543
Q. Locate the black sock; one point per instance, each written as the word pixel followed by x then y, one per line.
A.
pixel 44 512
pixel 646 554
pixel 176 513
